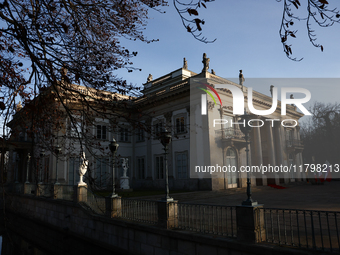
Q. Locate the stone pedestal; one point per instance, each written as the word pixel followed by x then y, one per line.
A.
pixel 27 189
pixel 113 206
pixel 57 191
pixel 167 214
pixel 39 190
pixel 124 182
pixel 250 224
pixel 80 193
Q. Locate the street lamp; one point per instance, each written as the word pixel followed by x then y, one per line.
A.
pixel 166 140
pixel 57 152
pixel 28 166
pixel 113 148
pixel 246 130
pixel 42 155
pixel 17 158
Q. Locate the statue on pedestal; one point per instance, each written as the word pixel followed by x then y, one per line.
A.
pixel 205 62
pixel 241 78
pixel 149 78
pixel 82 169
pixel 271 90
pixel 185 64
pixel 124 180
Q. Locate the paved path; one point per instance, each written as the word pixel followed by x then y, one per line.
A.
pixel 298 195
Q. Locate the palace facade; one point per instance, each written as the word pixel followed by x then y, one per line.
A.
pixel 198 139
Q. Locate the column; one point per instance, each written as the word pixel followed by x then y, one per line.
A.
pixel 256 145
pixel 270 144
pixel 149 166
pixel 256 150
pixel 113 206
pixel 167 214
pixel 278 143
pixel 250 224
pixel 271 152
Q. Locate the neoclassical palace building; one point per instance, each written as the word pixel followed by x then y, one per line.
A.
pixel 200 138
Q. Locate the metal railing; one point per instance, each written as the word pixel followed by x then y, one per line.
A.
pixel 67 192
pixel 44 190
pixel 303 228
pixel 139 210
pixel 17 188
pixel 294 143
pixel 95 202
pixel 209 219
pixel 229 133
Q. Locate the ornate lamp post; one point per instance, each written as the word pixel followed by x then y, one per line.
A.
pixel 28 166
pixel 246 130
pixel 166 140
pixel 17 158
pixel 57 152
pixel 113 148
pixel 42 155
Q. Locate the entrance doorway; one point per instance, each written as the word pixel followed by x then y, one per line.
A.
pixel 231 160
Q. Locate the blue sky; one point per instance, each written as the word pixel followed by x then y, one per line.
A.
pixel 247 35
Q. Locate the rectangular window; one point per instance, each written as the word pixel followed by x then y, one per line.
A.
pixel 158 127
pixel 159 167
pixel 101 132
pixel 180 125
pixel 76 128
pixel 140 135
pixel 182 165
pixel 124 134
pixel 140 168
pixel 102 172
pixel 73 170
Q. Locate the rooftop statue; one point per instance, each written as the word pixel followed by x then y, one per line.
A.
pixel 241 78
pixel 185 64
pixel 205 62
pixel 271 90
pixel 149 78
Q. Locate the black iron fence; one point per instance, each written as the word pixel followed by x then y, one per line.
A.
pixel 139 210
pixel 208 219
pixel 317 230
pixel 310 229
